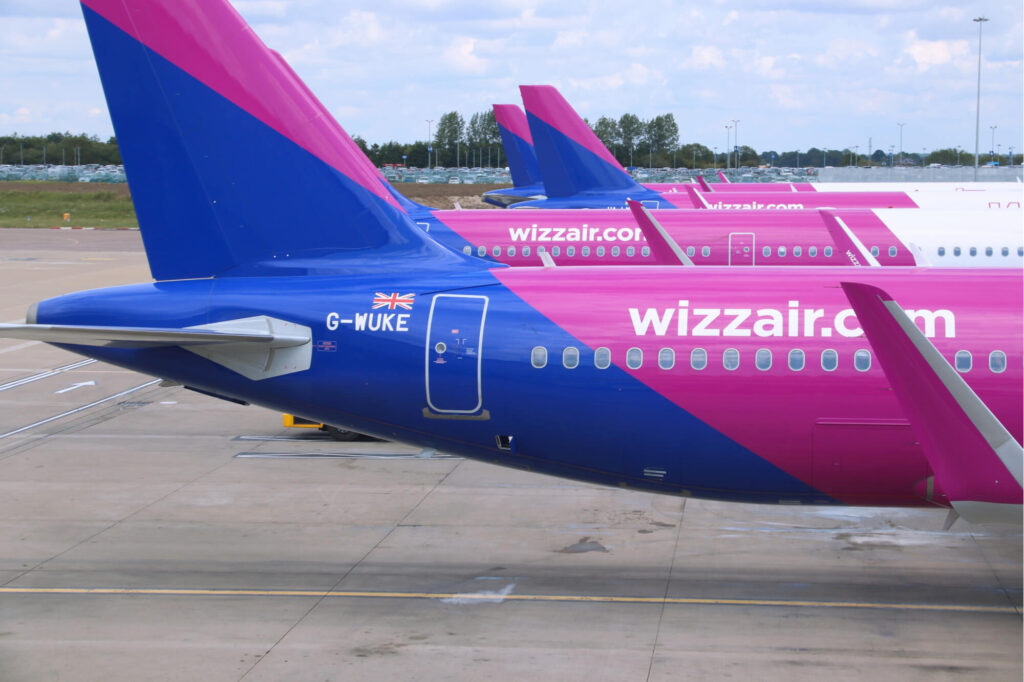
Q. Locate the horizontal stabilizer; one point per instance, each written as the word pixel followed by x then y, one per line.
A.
pixel 846 241
pixel 139 337
pixel 976 461
pixel 696 199
pixel 664 249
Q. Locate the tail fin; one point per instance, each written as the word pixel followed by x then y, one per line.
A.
pixel 515 137
pixel 572 159
pixel 231 160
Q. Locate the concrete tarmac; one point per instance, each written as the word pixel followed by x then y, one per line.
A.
pixel 151 533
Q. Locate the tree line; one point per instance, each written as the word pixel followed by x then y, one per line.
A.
pixel 58 149
pixel 633 141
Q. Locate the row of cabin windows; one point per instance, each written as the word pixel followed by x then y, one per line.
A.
pixel 989 251
pixel 570 251
pixel 812 251
pixel 763 358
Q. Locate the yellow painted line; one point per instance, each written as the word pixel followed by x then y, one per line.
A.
pixel 490 597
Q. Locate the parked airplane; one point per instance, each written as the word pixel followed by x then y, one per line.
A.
pixel 522 159
pixel 580 172
pixel 779 385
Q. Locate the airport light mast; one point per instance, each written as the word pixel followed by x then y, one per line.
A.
pixel 977 108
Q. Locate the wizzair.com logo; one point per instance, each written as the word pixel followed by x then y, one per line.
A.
pixel 574 235
pixel 755 205
pixel 794 321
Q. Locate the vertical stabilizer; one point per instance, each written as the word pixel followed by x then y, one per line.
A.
pixel 515 138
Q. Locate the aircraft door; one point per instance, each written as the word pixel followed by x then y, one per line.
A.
pixel 455 333
pixel 741 248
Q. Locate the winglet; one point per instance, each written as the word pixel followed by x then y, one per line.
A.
pixel 846 241
pixel 696 199
pixel 976 461
pixel 704 186
pixel 664 249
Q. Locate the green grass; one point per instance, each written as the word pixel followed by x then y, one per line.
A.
pixel 46 209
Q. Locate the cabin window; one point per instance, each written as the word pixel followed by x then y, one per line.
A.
pixel 892 252
pixel 828 252
pixel 812 251
pixel 511 251
pixel 705 251
pixel 541 249
pixel 634 358
pixel 602 358
pixel 956 251
pixel 698 358
pixel 526 251
pixel 496 251
pixel 616 251
pixel 585 251
pixel 942 250
pixel 666 358
pixel 782 251
pixel 730 359
pixel 630 251
pixel 690 251
pixel 570 251
pixel 874 251
pixel 481 251
pixel 1005 251
pixel 1020 250
pixel 963 361
pixel 766 251
pixel 796 359
pixel 539 356
pixel 973 251
pixel 988 251
pixel 997 361
pixel 763 359
pixel 571 357
pixel 645 251
pixel 862 360
pixel 829 360
pixel 556 251
pixel 468 250
pixel 797 252
pixel 600 252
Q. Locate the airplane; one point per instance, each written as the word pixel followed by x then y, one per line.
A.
pixel 778 385
pixel 579 172
pixel 522 159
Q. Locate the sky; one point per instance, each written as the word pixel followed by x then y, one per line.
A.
pixel 796 74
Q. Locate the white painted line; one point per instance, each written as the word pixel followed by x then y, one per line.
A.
pixel 75 386
pixel 43 375
pixel 79 409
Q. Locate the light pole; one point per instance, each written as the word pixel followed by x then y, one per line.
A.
pixel 991 148
pixel 736 140
pixel 977 107
pixel 901 141
pixel 714 159
pixel 430 135
pixel 728 154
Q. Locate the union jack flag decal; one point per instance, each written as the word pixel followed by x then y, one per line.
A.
pixel 392 301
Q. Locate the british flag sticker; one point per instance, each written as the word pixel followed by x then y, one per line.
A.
pixel 393 301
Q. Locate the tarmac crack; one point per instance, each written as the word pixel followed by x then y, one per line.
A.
pixel 668 585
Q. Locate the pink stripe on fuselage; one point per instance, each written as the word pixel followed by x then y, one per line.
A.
pixel 547 104
pixel 214 45
pixel 720 231
pixel 512 118
pixel 792 200
pixel 776 413
pixel 736 187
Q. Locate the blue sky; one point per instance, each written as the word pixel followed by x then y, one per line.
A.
pixel 796 73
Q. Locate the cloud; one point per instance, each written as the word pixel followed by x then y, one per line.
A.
pixel 929 53
pixel 704 57
pixel 843 51
pixel 460 56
